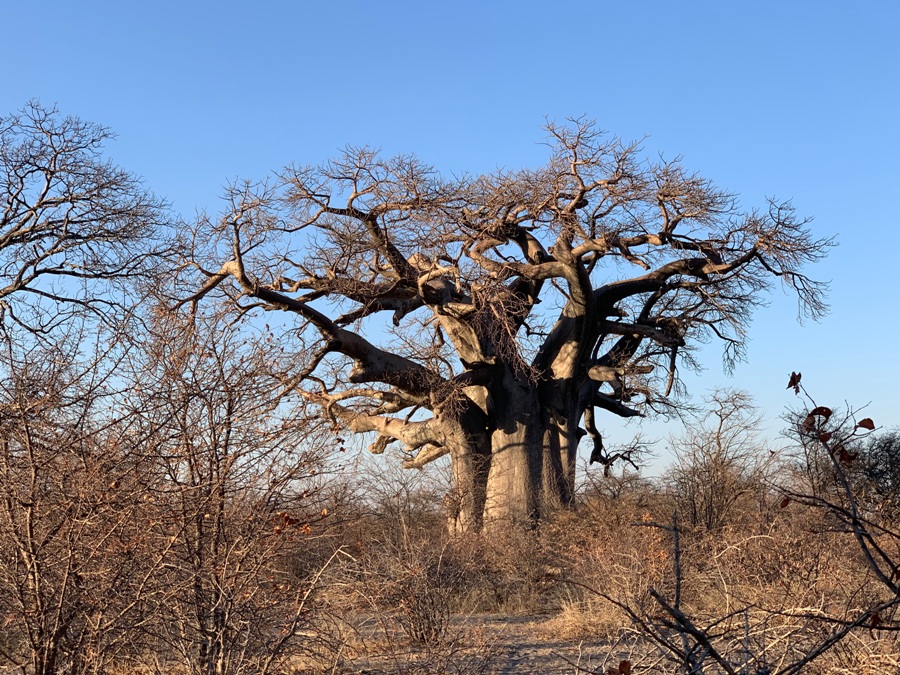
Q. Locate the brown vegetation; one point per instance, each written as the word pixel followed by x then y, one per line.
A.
pixel 188 533
pixel 172 500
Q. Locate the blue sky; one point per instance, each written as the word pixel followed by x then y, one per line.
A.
pixel 785 99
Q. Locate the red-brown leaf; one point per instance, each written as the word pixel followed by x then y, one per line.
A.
pixel 794 382
pixel 821 411
pixel 845 456
pixel 825 436
pixel 866 423
pixel 808 424
pixel 624 668
pixel 784 503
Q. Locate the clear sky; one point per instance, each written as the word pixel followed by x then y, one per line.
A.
pixel 785 99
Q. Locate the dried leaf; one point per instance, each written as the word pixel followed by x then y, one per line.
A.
pixel 784 503
pixel 866 423
pixel 875 620
pixel 821 411
pixel 808 424
pixel 624 668
pixel 794 382
pixel 846 457
pixel 825 436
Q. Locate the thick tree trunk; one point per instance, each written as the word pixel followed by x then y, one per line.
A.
pixel 514 479
pixel 531 469
pixel 465 505
pixel 513 455
pixel 560 445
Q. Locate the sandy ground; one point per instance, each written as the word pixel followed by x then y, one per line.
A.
pixel 484 645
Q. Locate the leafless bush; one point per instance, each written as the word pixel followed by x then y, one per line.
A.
pixel 804 582
pixel 721 465
pixel 414 585
pixel 234 498
pixel 77 233
pixel 400 570
pixel 879 467
pixel 73 577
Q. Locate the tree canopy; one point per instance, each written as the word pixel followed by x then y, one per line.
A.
pixel 492 317
pixel 77 233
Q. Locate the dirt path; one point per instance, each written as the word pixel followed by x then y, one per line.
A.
pixel 486 645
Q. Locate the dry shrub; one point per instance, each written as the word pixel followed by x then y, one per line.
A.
pixel 791 579
pixel 416 585
pixel 774 588
pixel 774 580
pixel 398 567
pixel 512 572
pixel 605 549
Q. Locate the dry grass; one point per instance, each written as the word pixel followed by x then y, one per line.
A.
pixel 774 582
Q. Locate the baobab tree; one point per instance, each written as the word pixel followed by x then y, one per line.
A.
pixel 493 318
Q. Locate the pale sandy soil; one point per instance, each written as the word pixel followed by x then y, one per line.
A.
pixel 483 645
